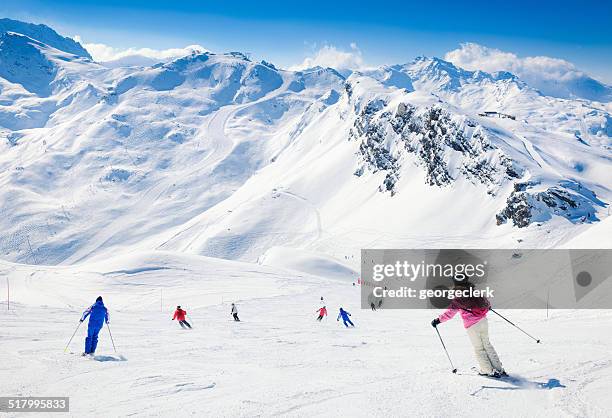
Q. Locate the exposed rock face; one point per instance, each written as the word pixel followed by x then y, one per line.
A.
pixel 517 209
pixel 446 146
pixel 449 147
pixel 373 150
pixel 570 200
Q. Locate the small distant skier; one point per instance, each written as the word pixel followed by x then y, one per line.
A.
pixel 322 312
pixel 180 315
pixel 235 313
pixel 322 301
pixel 98 314
pixel 474 314
pixel 345 318
pixel 372 301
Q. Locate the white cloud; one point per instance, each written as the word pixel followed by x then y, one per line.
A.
pixel 330 56
pixel 104 53
pixel 477 57
pixel 552 76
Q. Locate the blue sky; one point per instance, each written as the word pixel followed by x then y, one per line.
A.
pixel 285 32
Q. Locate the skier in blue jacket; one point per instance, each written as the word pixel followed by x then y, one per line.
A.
pixel 345 318
pixel 98 314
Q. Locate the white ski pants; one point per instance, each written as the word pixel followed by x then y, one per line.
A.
pixel 485 353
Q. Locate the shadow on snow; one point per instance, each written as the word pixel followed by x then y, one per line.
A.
pixel 109 358
pixel 520 383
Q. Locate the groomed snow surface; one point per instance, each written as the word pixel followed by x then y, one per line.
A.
pixel 279 360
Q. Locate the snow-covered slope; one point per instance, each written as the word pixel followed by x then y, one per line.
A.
pixel 45 35
pixel 218 155
pixel 279 360
pixel 155 136
pixel 393 168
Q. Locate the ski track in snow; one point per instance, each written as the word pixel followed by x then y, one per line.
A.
pixel 311 205
pixel 117 225
pixel 537 157
pixel 214 135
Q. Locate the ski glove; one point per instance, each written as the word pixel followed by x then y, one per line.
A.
pixel 435 322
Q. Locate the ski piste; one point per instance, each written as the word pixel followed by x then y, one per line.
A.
pixel 280 335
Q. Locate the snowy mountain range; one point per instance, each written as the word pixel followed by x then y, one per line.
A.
pixel 220 155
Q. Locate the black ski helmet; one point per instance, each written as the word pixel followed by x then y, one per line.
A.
pixel 99 299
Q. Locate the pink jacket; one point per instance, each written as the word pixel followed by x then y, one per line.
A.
pixel 470 316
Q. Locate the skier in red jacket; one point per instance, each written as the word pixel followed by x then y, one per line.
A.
pixel 179 315
pixel 322 313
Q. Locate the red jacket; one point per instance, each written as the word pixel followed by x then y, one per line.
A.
pixel 179 314
pixel 322 311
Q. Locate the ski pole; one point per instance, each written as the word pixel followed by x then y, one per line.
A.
pixel 73 334
pixel 111 335
pixel 514 325
pixel 445 350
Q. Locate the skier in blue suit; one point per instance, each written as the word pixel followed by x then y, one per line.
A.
pixel 98 314
pixel 345 318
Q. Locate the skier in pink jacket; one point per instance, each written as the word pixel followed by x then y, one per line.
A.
pixel 474 314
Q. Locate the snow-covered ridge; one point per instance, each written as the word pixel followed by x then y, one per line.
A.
pixel 45 35
pixel 220 155
pixel 440 75
pixel 552 76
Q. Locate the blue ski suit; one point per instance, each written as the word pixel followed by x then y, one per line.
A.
pixel 98 314
pixel 345 318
